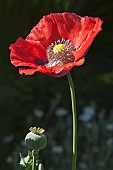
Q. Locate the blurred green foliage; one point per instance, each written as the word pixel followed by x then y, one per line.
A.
pixel 20 95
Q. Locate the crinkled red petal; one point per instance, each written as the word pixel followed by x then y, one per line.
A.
pixel 56 71
pixel 59 71
pixel 55 26
pixel 27 53
pixel 30 71
pixel 90 28
pixel 80 62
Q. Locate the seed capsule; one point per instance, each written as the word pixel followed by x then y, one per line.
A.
pixel 35 139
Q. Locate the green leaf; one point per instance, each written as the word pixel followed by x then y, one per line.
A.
pixel 26 161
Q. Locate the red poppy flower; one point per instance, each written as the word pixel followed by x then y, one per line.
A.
pixel 55 45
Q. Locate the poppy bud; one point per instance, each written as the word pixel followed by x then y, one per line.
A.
pixel 35 139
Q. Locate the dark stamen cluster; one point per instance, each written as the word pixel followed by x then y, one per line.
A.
pixel 63 57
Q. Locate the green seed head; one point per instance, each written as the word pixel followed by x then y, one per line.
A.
pixel 35 139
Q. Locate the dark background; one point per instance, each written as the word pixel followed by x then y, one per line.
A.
pixel 20 95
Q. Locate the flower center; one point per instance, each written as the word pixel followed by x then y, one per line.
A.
pixel 60 53
pixel 58 48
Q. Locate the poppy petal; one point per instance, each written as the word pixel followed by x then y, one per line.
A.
pixel 30 71
pixel 55 26
pixel 55 71
pixel 80 62
pixel 27 52
pixel 58 71
pixel 45 31
pixel 90 28
pixel 27 71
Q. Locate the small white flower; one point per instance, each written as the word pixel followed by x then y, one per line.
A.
pixel 38 113
pixel 61 112
pixel 89 109
pixel 88 113
pixel 58 149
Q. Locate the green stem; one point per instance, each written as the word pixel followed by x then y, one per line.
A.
pixel 34 160
pixel 73 100
pixel 40 167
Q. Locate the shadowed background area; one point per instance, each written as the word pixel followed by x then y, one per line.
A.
pixel 40 100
